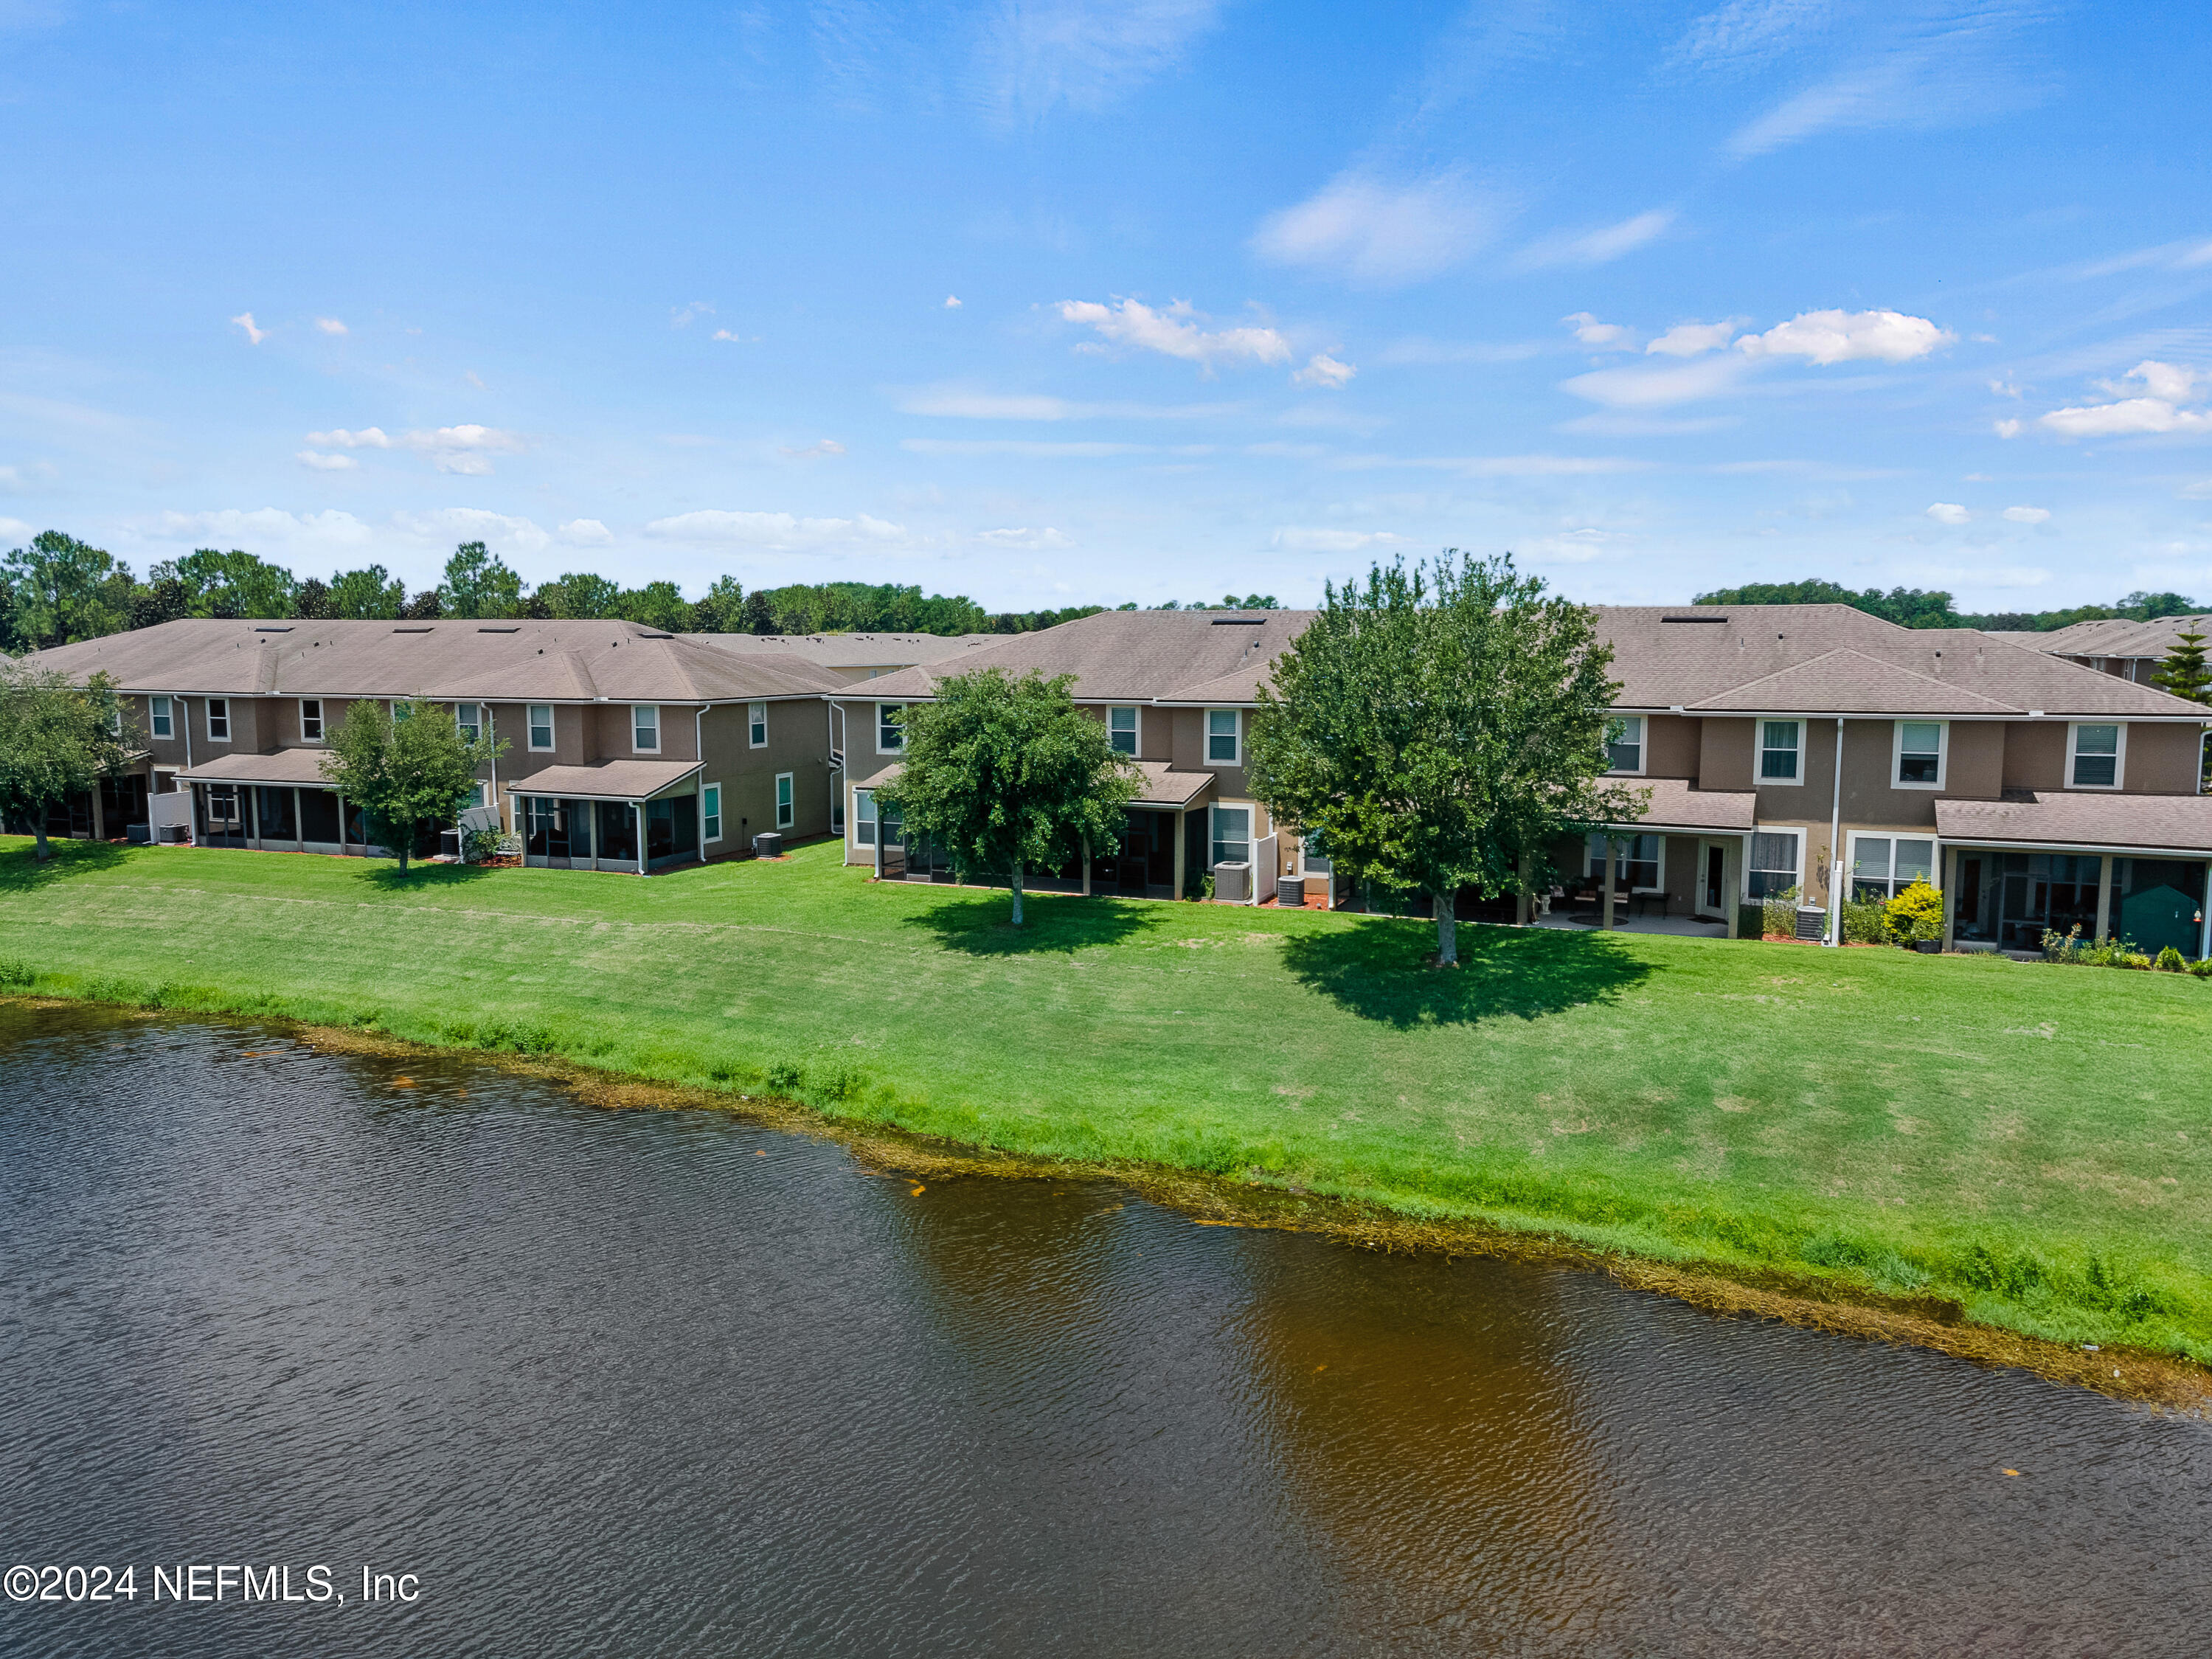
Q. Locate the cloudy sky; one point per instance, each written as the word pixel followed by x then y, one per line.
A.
pixel 1085 301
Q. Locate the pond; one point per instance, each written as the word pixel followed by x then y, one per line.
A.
pixel 566 1380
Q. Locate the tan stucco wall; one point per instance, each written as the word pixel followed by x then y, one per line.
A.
pixel 2034 754
pixel 1724 753
pixel 1672 746
pixel 2163 760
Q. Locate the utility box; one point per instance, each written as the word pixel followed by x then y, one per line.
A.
pixel 769 844
pixel 1291 892
pixel 1811 923
pixel 1232 881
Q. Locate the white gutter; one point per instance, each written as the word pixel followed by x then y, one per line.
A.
pixel 1836 846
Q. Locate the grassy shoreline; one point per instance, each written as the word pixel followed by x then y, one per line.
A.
pixel 2025 1146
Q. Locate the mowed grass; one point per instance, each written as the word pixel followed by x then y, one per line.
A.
pixel 2033 1143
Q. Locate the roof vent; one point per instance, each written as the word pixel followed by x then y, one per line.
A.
pixel 273 628
pixel 654 636
pixel 1693 619
pixel 499 630
pixel 419 628
pixel 1240 622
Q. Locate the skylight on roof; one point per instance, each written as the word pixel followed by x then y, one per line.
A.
pixel 418 627
pixel 273 628
pixel 499 630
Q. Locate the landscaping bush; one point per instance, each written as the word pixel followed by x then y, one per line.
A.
pixel 13 973
pixel 2170 961
pixel 1866 922
pixel 1917 913
pixel 1778 913
pixel 2201 969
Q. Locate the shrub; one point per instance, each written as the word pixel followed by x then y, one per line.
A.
pixel 1916 913
pixel 2201 969
pixel 14 972
pixel 2170 961
pixel 1866 922
pixel 1778 913
pixel 478 845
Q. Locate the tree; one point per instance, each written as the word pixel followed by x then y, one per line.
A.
pixel 369 594
pixel 1908 607
pixel 59 590
pixel 579 595
pixel 1006 773
pixel 760 613
pixel 1440 729
pixel 233 584
pixel 723 609
pixel 405 768
pixel 478 584
pixel 657 605
pixel 56 739
pixel 2183 672
pixel 423 607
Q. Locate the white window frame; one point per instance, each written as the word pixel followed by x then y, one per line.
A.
pixel 161 712
pixel 898 748
pixel 1796 832
pixel 1252 835
pixel 1136 727
pixel 705 790
pixel 1942 754
pixel 635 747
pixel 322 727
pixel 756 722
pixel 787 800
pixel 461 725
pixel 1853 837
pixel 1206 736
pixel 864 818
pixel 115 719
pixel 211 718
pixel 1758 777
pixel 530 729
pixel 1643 745
pixel 2119 756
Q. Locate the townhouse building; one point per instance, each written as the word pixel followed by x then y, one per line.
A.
pixel 628 748
pixel 2127 650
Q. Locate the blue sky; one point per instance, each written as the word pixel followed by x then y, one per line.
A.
pixel 1089 302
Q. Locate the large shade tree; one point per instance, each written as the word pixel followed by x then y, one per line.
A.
pixel 56 739
pixel 1441 728
pixel 1008 774
pixel 405 768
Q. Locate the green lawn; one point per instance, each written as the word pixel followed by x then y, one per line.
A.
pixel 2034 1142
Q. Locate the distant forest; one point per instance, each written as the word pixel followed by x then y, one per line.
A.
pixel 58 590
pixel 1917 607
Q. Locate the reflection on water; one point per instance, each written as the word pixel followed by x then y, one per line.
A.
pixel 666 1382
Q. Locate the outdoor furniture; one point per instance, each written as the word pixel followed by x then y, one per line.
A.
pixel 1639 899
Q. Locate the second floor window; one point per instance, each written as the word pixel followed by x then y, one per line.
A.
pixel 2096 757
pixel 541 726
pixel 1221 734
pixel 1779 743
pixel 219 719
pixel 1624 745
pixel 1122 727
pixel 164 724
pixel 311 720
pixel 756 725
pixel 1919 751
pixel 469 717
pixel 645 728
pixel 890 737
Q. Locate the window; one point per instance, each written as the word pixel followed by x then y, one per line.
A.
pixel 402 711
pixel 541 726
pixel 645 728
pixel 1624 744
pixel 1122 729
pixel 1316 861
pixel 1232 831
pixel 1773 869
pixel 756 725
pixel 1883 867
pixel 1222 733
pixel 164 722
pixel 311 720
pixel 863 819
pixel 115 719
pixel 785 813
pixel 218 719
pixel 710 811
pixel 2093 757
pixel 468 717
pixel 1780 744
pixel 890 738
pixel 1636 861
pixel 1920 754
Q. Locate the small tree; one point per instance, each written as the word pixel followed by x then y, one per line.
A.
pixel 56 739
pixel 1440 729
pixel 1007 772
pixel 406 769
pixel 2184 672
pixel 478 584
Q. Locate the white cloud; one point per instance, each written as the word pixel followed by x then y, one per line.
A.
pixel 1948 513
pixel 1322 369
pixel 1637 387
pixel 2029 515
pixel 1174 332
pixel 585 532
pixel 1841 337
pixel 316 461
pixel 327 532
pixel 1082 53
pixel 951 302
pixel 458 449
pixel 1691 339
pixel 1649 426
pixel 1571 546
pixel 2004 388
pixel 501 531
pixel 2168 385
pixel 1037 541
pixel 331 325
pixel 14 529
pixel 1382 235
pixel 1306 539
pixel 1596 247
pixel 684 316
pixel 1746 33
pixel 1600 336
pixel 826 447
pixel 254 334
pixel 772 531
pixel 732 338
pixel 16 480
pixel 2006 429
pixel 2198 489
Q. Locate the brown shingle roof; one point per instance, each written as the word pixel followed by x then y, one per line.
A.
pixel 1847 682
pixel 1675 804
pixel 852 650
pixel 546 661
pixel 285 766
pixel 2118 636
pixel 1136 656
pixel 2164 823
pixel 614 780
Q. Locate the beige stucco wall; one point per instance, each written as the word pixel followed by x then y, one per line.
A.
pixel 1724 753
pixel 2034 754
pixel 1673 744
pixel 2163 760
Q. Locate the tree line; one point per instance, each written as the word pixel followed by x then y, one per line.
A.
pixel 1918 607
pixel 58 590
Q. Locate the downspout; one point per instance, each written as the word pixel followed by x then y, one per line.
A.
pixel 1836 845
pixel 491 735
pixel 699 754
pixel 192 826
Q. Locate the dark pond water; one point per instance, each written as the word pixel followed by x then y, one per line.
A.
pixel 668 1384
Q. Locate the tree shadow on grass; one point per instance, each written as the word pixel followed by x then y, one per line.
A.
pixel 1380 970
pixel 385 876
pixel 21 871
pixel 1058 923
